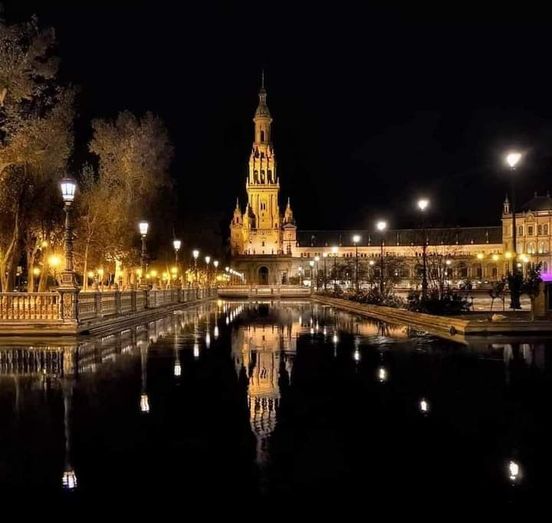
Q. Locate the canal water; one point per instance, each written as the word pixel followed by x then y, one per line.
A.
pixel 274 407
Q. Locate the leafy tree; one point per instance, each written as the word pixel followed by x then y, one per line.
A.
pixel 36 116
pixel 531 285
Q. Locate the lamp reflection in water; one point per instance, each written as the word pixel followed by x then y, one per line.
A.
pixel 69 478
pixel 177 367
pixel 356 352
pixel 383 375
pixel 424 406
pixel 514 471
pixel 144 400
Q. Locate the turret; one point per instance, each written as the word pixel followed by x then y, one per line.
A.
pixel 506 205
pixel 288 215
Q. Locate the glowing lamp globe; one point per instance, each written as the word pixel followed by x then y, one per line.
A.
pixel 216 263
pixel 513 158
pixel 381 226
pixel 143 228
pixel 207 260
pixel 195 254
pixel 356 238
pixel 68 188
pixel 423 204
pixel 177 244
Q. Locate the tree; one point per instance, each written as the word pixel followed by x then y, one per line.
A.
pixel 36 116
pixel 134 158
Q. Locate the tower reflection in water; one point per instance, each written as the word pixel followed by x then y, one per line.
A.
pixel 264 351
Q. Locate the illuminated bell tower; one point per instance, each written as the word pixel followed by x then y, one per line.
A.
pixel 263 185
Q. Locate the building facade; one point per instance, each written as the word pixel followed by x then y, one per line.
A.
pixel 268 249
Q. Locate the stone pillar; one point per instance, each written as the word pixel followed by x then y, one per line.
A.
pixel 69 306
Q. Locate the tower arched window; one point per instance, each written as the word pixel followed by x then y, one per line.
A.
pixel 262 136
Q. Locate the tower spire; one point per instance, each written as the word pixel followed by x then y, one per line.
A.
pixel 262 79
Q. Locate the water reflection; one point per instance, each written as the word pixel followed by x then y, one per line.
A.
pixel 284 372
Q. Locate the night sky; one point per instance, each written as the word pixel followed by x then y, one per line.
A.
pixel 372 107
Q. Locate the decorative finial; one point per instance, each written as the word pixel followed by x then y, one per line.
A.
pixel 289 204
pixel 237 203
pixel 262 78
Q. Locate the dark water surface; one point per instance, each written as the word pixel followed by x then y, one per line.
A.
pixel 274 407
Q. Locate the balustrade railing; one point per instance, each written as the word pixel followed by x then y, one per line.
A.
pixel 90 304
pixel 29 305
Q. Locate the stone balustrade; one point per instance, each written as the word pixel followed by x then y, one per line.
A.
pixel 72 305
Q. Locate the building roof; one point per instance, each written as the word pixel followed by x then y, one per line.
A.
pixel 538 203
pixel 404 237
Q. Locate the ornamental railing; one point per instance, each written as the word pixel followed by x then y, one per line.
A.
pixel 69 304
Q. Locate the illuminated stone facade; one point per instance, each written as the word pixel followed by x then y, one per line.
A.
pixel 267 247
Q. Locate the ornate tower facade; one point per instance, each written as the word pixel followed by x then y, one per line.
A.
pixel 260 230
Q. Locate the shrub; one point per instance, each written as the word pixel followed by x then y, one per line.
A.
pixel 447 304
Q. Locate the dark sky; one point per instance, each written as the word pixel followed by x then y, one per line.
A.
pixel 372 106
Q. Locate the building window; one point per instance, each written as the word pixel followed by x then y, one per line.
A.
pixel 262 245
pixel 494 272
pixel 520 230
pixel 546 229
pixel 539 230
pixel 529 230
pixel 262 136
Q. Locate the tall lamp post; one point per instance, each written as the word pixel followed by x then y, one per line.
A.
pixel 381 226
pixel 207 263
pixel 177 244
pixel 512 159
pixel 195 254
pixel 311 265
pixel 143 228
pixel 68 188
pixel 423 204
pixel 356 239
pixel 216 264
pixel 324 256
pixel 317 260
pixel 335 250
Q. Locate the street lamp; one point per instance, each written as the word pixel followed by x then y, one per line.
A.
pixel 195 254
pixel 335 249
pixel 216 264
pixel 356 239
pixel 317 260
pixel 143 227
pixel 423 204
pixel 311 264
pixel 512 159
pixel 324 256
pixel 381 226
pixel 68 188
pixel 207 262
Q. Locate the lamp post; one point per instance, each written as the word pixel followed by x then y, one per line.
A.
pixel 381 226
pixel 177 244
pixel 195 254
pixel 335 250
pixel 207 262
pixel 311 265
pixel 512 159
pixel 317 260
pixel 68 188
pixel 216 264
pixel 423 204
pixel 356 239
pixel 143 227
pixel 324 256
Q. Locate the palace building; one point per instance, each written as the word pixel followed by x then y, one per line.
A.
pixel 267 247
